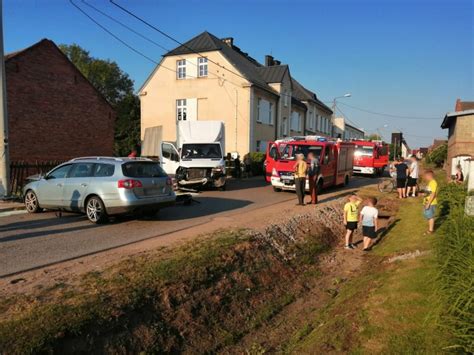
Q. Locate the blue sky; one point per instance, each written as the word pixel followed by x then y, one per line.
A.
pixel 402 57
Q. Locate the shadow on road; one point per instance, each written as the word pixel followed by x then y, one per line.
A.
pixel 41 223
pixel 47 232
pixel 242 184
pixel 204 206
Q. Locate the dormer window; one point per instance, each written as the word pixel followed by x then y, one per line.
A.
pixel 202 67
pixel 181 69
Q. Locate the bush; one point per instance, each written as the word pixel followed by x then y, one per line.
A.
pixel 257 163
pixel 455 259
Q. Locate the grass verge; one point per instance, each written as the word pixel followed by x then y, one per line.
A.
pixel 392 308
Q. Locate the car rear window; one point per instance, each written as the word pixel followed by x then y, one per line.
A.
pixel 143 170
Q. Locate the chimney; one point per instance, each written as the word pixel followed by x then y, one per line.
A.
pixel 269 60
pixel 229 41
pixel 458 106
pixel 276 62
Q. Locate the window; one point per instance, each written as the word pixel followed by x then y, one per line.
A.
pixel 284 126
pixel 81 170
pixel 295 121
pixel 59 173
pixel 264 111
pixel 143 170
pixel 201 151
pixel 311 121
pixel 262 146
pixel 326 155
pixel 181 69
pixel 285 98
pixel 103 170
pixel 181 110
pixel 202 65
pixel 168 152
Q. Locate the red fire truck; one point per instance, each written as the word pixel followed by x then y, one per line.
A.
pixel 370 157
pixel 335 158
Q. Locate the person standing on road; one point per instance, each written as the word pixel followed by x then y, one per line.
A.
pixel 413 176
pixel 300 177
pixel 402 173
pixel 313 172
pixel 430 201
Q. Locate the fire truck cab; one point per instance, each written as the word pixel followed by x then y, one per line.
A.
pixel 370 157
pixel 335 159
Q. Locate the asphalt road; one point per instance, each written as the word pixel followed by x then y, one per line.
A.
pixel 31 241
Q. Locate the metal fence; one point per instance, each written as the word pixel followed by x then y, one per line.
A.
pixel 19 171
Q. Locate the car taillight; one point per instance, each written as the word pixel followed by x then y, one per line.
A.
pixel 129 184
pixel 275 173
pixel 169 182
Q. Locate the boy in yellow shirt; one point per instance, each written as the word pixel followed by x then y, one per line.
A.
pixel 351 217
pixel 430 201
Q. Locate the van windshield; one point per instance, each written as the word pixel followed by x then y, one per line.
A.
pixel 364 151
pixel 201 151
pixel 142 169
pixel 290 151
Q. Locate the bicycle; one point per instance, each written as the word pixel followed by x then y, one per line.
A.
pixel 388 185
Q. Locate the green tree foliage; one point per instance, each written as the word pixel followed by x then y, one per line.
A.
pixel 438 155
pixel 117 87
pixel 374 137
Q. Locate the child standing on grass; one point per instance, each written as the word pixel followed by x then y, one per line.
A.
pixel 369 219
pixel 351 217
pixel 430 201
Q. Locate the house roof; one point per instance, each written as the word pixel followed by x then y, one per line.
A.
pixel 51 44
pixel 304 94
pixel 464 105
pixel 450 116
pixel 246 65
pixel 353 127
pixel 273 74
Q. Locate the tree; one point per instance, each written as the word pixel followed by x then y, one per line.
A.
pixel 438 155
pixel 374 137
pixel 117 87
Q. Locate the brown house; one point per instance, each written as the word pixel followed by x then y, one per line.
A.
pixel 54 112
pixel 461 134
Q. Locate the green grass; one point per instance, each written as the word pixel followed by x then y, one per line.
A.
pixel 390 309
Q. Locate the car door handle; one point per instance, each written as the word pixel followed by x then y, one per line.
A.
pixel 59 185
pixel 83 184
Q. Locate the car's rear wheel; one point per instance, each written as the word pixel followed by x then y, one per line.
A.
pixel 95 210
pixel 32 203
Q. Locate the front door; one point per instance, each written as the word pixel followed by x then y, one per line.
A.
pixel 50 190
pixel 76 185
pixel 169 158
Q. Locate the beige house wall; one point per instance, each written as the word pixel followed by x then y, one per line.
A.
pixel 261 131
pixel 221 96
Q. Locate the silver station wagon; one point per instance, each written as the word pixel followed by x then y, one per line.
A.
pixel 101 187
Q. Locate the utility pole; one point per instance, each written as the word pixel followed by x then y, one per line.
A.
pixel 4 153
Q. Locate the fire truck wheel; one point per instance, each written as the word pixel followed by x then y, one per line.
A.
pixel 320 186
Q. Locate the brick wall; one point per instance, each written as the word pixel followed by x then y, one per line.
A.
pixel 54 113
pixel 461 142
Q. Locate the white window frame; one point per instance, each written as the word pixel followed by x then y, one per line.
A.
pixel 259 103
pixel 270 113
pixel 264 111
pixel 181 110
pixel 202 67
pixel 181 69
pixel 296 127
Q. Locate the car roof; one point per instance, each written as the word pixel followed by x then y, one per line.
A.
pixel 103 159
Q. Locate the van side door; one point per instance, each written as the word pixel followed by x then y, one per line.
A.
pixel 169 158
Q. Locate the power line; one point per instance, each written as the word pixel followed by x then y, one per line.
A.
pixel 125 26
pixel 120 40
pixel 346 117
pixel 388 114
pixel 173 39
pixel 112 34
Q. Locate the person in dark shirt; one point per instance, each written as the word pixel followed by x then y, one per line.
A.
pixel 402 173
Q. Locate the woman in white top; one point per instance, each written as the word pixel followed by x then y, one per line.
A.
pixel 413 176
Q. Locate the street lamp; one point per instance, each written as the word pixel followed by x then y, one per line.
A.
pixel 334 101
